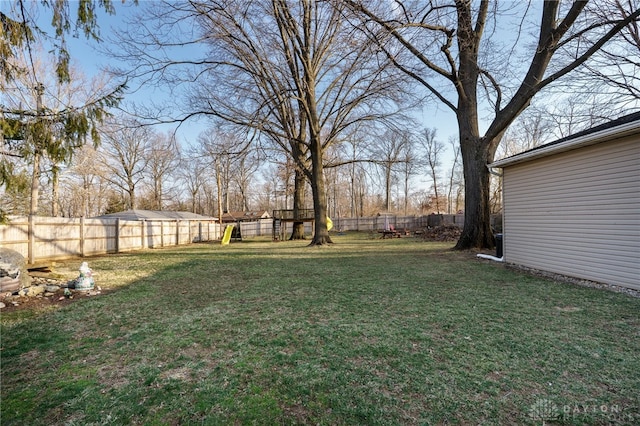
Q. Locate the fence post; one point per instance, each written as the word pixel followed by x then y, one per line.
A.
pixel 162 233
pixel 81 236
pixel 142 236
pixel 117 235
pixel 32 239
pixel 177 232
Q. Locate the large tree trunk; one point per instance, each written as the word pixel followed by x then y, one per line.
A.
pixel 132 196
pixel 387 187
pixel 477 214
pixel 321 233
pixel 219 187
pixel 158 194
pixel 298 205
pixel 474 149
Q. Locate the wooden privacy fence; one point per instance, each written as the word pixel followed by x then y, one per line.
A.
pixel 49 238
pixel 257 228
pixel 410 223
pixel 263 227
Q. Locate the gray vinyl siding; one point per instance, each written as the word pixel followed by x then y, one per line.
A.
pixel 577 213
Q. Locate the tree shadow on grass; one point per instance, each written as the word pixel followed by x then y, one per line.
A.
pixel 373 333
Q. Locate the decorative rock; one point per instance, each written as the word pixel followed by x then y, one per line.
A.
pixel 51 288
pixel 13 271
pixel 2 305
pixel 35 290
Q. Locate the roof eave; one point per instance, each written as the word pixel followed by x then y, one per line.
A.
pixel 613 133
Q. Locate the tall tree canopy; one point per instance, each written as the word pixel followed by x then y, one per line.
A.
pixel 476 59
pixel 295 71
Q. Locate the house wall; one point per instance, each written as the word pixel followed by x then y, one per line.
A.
pixel 577 213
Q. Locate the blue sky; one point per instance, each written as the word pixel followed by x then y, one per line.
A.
pixel 89 57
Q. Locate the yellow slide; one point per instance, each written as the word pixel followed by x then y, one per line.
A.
pixel 329 223
pixel 227 235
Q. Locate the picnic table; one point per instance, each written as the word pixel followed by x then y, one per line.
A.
pixel 388 233
pixel 391 232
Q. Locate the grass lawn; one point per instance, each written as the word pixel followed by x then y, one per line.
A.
pixel 370 332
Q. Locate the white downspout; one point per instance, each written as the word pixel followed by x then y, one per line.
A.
pixel 488 256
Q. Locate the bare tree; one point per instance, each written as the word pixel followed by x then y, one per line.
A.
pixel 432 150
pixel 294 70
pixel 410 167
pixel 454 174
pixel 84 188
pixel 163 155
pixel 243 177
pixel 220 148
pixel 387 152
pixel 616 65
pixel 272 187
pixel 126 148
pixel 227 153
pixel 446 46
pixel 209 194
pixel 191 174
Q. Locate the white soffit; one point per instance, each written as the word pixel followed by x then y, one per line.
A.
pixel 617 132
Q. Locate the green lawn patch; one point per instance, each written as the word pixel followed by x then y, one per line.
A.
pixel 375 332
